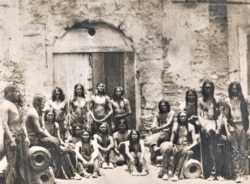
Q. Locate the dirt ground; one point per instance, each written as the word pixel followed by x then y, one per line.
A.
pixel 120 175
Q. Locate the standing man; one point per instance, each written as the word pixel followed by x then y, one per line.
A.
pixel 59 104
pixel 208 113
pixel 16 141
pixel 121 107
pixel 100 108
pixel 238 129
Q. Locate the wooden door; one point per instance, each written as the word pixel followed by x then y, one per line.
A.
pixel 70 69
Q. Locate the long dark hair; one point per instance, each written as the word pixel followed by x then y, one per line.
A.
pixel 85 130
pixel 195 100
pixel 37 101
pixel 19 102
pixel 130 136
pixel 116 88
pixel 107 129
pixel 205 97
pixel 238 87
pixel 179 117
pixel 164 102
pixel 61 94
pixel 115 98
pixel 10 89
pixel 203 91
pixel 103 93
pixel 73 130
pixel 46 113
pixel 119 122
pixel 83 91
pixel 178 127
pixel 243 105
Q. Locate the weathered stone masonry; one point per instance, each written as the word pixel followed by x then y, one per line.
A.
pixel 177 44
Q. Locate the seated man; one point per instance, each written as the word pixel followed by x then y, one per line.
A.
pixel 161 128
pixel 75 137
pixel 134 149
pixel 183 140
pixel 53 128
pixel 105 145
pixel 87 156
pixel 120 137
pixel 37 133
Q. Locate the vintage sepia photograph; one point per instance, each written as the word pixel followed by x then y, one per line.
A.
pixel 124 91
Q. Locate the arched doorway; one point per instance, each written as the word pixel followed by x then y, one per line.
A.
pixel 93 53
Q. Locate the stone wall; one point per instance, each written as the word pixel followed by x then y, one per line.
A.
pixel 11 40
pixel 186 63
pixel 177 44
pixel 239 29
pixel 43 25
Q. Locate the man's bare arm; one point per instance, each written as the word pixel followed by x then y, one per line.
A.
pixel 90 108
pixel 127 151
pixel 142 149
pixel 174 129
pixel 115 142
pixel 78 154
pixel 4 117
pixel 169 121
pixel 35 119
pixel 111 144
pixel 192 130
pixel 200 114
pixel 127 108
pixel 95 153
pixel 58 133
pixel 110 110
pixel 26 134
pixel 98 145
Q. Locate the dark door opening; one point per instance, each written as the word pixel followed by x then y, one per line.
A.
pixel 116 69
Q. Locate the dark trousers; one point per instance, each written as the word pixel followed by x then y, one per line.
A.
pixel 17 171
pixel 179 155
pixel 214 156
pixel 239 148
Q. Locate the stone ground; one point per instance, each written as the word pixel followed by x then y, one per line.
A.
pixel 120 175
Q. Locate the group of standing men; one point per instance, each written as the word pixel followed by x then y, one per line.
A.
pixel 230 116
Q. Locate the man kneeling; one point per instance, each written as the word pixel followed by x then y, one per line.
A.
pixel 183 140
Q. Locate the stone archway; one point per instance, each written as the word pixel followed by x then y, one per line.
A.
pixel 89 53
